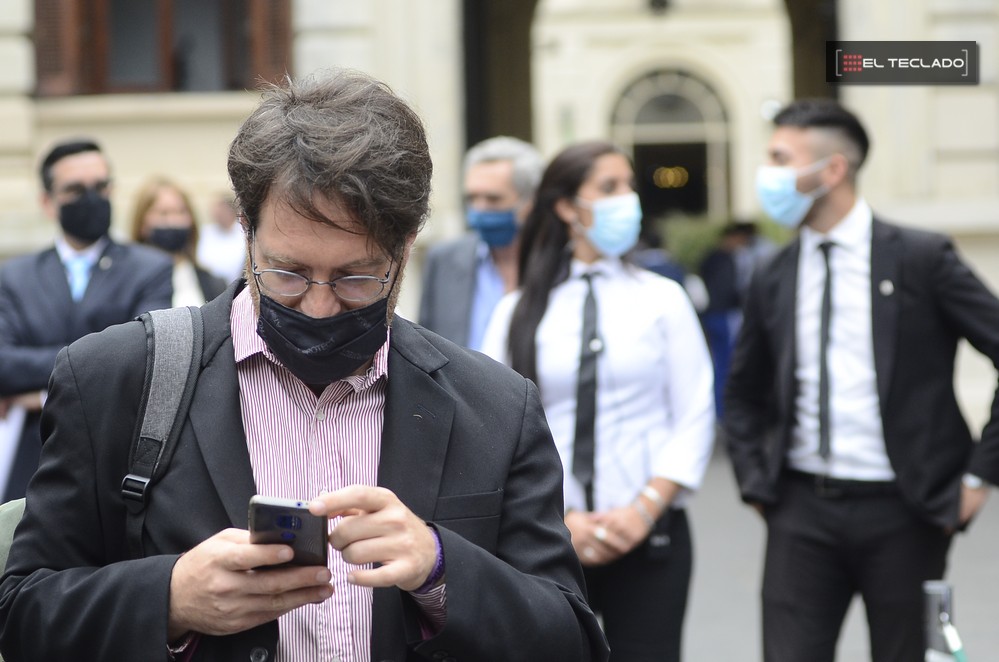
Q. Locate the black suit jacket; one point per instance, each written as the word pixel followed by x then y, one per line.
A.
pixel 924 299
pixel 465 445
pixel 38 317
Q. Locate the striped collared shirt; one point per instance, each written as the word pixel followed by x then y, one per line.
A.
pixel 300 445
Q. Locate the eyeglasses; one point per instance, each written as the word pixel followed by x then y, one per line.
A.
pixel 354 289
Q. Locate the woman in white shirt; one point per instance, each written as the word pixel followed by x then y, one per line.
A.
pixel 653 427
pixel 163 217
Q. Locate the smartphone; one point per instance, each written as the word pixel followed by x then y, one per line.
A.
pixel 288 522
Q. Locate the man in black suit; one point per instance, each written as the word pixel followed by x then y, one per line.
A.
pixel 464 279
pixel 435 464
pixel 841 418
pixel 85 283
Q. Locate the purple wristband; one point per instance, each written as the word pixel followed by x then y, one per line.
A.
pixel 438 572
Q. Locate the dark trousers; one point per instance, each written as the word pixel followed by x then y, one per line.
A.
pixel 822 549
pixel 642 596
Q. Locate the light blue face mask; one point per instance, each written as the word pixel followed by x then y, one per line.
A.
pixel 617 222
pixel 497 228
pixel 777 190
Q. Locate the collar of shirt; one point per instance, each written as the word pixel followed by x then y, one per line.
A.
pixel 603 266
pixel 92 252
pixel 247 343
pixel 852 234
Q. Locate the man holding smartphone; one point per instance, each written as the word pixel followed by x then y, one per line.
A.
pixel 434 465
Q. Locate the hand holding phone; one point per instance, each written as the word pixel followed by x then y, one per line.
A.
pixel 277 521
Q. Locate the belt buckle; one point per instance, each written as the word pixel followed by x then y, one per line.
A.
pixel 825 490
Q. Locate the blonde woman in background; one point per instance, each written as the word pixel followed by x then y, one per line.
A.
pixel 163 217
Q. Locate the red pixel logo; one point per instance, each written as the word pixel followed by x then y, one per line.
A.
pixel 852 62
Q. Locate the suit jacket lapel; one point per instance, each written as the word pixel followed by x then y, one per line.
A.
pixel 885 271
pixel 52 278
pixel 784 292
pixel 101 275
pixel 418 416
pixel 215 413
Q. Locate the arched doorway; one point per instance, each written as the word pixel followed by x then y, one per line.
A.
pixel 677 130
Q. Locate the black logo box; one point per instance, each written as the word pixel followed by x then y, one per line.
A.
pixel 902 62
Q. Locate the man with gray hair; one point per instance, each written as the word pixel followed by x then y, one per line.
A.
pixel 463 279
pixel 434 464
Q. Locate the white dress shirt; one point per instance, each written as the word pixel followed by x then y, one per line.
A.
pixel 655 403
pixel 856 434
pixel 186 286
pixel 222 252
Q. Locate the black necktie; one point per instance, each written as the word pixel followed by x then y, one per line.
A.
pixel 586 395
pixel 826 246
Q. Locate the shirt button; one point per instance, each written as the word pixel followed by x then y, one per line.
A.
pixel 259 654
pixel 320 414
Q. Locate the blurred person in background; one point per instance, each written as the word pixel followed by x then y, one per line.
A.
pixel 841 418
pixel 163 217
pixel 83 284
pixel 626 383
pixel 465 278
pixel 222 245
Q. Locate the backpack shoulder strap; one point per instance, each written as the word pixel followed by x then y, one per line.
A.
pixel 174 341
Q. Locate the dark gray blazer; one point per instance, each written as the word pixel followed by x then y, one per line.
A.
pixel 924 299
pixel 449 287
pixel 465 445
pixel 38 317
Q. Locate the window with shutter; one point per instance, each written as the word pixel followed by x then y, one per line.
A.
pixel 115 46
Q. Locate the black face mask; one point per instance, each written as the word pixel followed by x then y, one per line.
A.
pixel 320 351
pixel 87 218
pixel 172 240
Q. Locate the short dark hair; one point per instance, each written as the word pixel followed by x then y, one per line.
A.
pixel 827 114
pixel 61 151
pixel 345 137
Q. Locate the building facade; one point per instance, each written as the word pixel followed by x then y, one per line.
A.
pixel 686 86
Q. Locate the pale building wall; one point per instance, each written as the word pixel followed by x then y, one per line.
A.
pixel 17 190
pixel 587 52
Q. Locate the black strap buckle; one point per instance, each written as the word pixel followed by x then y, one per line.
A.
pixel 134 488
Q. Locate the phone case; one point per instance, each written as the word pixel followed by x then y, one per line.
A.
pixel 274 520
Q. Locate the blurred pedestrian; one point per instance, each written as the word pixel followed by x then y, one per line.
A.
pixel 840 412
pixel 222 244
pixel 163 217
pixel 465 278
pixel 83 284
pixel 720 271
pixel 625 379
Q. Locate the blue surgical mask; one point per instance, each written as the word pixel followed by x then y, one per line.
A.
pixel 617 222
pixel 497 228
pixel 777 189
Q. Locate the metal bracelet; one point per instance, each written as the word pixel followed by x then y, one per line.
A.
pixel 652 494
pixel 644 513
